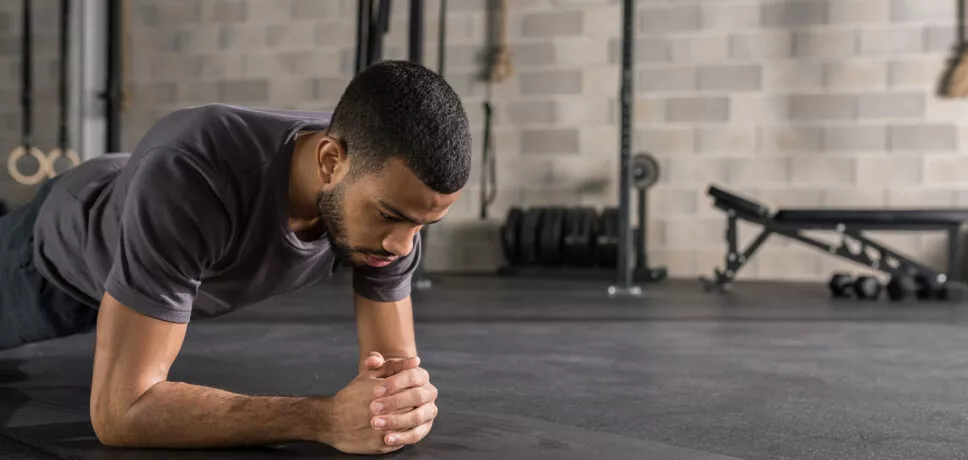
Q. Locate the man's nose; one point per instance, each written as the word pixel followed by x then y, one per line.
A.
pixel 400 241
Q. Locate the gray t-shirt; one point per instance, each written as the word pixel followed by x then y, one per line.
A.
pixel 194 223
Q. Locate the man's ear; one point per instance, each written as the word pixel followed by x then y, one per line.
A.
pixel 332 163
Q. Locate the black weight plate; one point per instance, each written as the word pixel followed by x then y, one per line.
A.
pixel 511 234
pixel 607 247
pixel 552 229
pixel 572 232
pixel 590 223
pixel 528 243
pixel 645 170
pixel 585 238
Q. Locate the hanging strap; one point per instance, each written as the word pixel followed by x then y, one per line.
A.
pixel 65 10
pixel 26 79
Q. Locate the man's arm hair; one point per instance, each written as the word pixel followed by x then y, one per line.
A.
pixel 134 405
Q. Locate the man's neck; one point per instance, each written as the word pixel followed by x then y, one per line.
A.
pixel 303 214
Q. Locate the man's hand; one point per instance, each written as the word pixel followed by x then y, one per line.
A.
pixel 355 430
pixel 406 403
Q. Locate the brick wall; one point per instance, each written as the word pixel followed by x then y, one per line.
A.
pixel 792 102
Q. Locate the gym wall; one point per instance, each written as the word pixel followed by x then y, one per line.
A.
pixel 791 102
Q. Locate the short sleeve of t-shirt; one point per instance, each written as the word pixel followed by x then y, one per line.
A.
pixel 173 227
pixel 390 283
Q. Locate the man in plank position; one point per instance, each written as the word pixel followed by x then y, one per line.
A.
pixel 220 207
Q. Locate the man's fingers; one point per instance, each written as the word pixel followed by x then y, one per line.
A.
pixel 408 437
pixel 374 361
pixel 396 366
pixel 402 380
pixel 406 420
pixel 411 397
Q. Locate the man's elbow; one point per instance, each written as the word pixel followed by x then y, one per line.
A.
pixel 109 427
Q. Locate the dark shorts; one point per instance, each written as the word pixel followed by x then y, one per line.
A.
pixel 31 308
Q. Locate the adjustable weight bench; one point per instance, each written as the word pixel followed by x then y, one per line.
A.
pixel 849 224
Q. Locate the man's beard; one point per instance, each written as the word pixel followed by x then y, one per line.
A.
pixel 329 205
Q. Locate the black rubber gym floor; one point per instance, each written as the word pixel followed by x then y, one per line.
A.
pixel 556 370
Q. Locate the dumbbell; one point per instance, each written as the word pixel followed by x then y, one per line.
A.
pixel 843 285
pixel 840 285
pixel 922 287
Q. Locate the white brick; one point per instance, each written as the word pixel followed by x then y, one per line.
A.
pixel 791 197
pixel 859 11
pixel 737 140
pixel 601 22
pixel 530 112
pixel 890 105
pixel 665 141
pixel 600 80
pixel 551 82
pixel 809 170
pixel 758 109
pixel 697 109
pixel 950 170
pixel 730 78
pixel 793 13
pixel 655 80
pixel 647 111
pixel 922 10
pixel 242 37
pixel 926 137
pixel 781 76
pixel 855 138
pixel 270 11
pixel 856 74
pixel 760 171
pixel 900 197
pixel 915 72
pixel 552 141
pixel 292 36
pixel 825 43
pixel 823 106
pixel 888 171
pixel 941 39
pixel 951 110
pixel 867 197
pixel 784 139
pixel 583 111
pixel 581 51
pixel 894 41
pixel 552 24
pixel 695 170
pixel 763 45
pixel 699 49
pixel 723 16
pixel 661 20
pixel 674 202
pixel 523 55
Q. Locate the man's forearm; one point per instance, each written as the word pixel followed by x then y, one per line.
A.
pixel 180 415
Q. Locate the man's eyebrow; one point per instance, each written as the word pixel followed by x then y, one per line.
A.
pixel 400 214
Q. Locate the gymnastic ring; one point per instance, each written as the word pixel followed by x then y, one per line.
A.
pixel 42 170
pixel 57 153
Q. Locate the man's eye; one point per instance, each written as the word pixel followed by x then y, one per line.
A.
pixel 389 217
